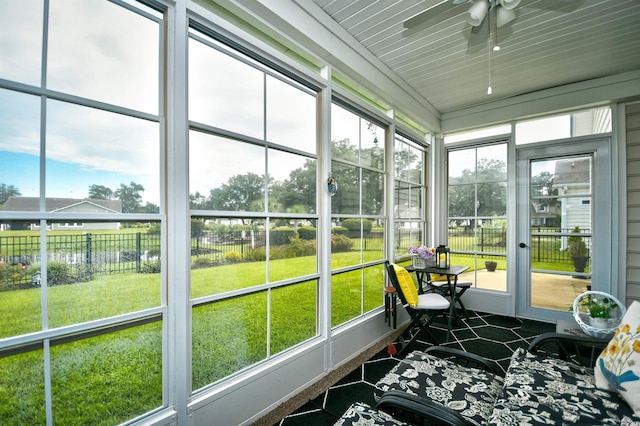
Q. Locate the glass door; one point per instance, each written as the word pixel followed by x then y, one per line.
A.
pixel 562 192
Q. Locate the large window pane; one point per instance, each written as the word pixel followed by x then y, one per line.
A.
pixel 227 254
pixel 19 145
pixel 22 384
pixel 372 145
pixel 346 296
pixel 347 198
pixel 292 252
pixel 292 183
pixel 102 51
pixel 292 127
pixel 373 287
pixel 103 268
pixel 477 194
pixel 345 134
pixel 372 192
pixel 90 151
pixel 236 183
pixel 293 315
pixel 228 336
pixel 21 41
pixel 20 298
pixel 107 379
pixel 225 92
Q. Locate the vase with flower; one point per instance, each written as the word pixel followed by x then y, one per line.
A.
pixel 422 256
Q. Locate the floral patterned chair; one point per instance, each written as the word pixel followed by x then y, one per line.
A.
pixel 550 383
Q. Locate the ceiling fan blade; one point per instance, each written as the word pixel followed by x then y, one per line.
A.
pixel 428 15
pixel 479 35
pixel 566 6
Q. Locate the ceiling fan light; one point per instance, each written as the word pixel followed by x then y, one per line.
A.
pixel 504 16
pixel 477 11
pixel 509 4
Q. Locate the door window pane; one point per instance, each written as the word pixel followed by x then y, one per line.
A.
pixel 561 229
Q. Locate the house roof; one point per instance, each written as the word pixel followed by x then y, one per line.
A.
pixel 574 171
pixel 31 204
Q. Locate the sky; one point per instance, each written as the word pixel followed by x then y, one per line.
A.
pixel 100 51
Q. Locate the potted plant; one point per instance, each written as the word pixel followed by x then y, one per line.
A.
pixel 578 250
pixel 599 311
pixel 491 265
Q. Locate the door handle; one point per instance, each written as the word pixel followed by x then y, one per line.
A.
pixel 522 245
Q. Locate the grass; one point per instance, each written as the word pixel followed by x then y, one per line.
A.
pixel 110 378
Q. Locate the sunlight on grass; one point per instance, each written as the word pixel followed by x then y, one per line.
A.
pixel 110 378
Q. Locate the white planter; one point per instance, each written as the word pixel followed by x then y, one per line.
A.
pixel 602 323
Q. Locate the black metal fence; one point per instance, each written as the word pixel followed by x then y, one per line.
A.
pixel 547 244
pixel 80 256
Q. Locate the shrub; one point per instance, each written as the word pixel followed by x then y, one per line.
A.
pixel 233 256
pixel 307 232
pixel 353 225
pixel 281 236
pixel 150 268
pixel 59 273
pixel 340 243
pixel 10 274
pixel 299 247
pixel 339 230
pixel 257 255
pixel 202 262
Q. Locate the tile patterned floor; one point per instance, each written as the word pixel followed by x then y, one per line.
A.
pixel 491 336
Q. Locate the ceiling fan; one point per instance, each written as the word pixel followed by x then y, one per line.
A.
pixel 478 15
pixel 484 16
pixel 475 15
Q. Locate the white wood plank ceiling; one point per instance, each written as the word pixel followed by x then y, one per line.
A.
pixel 549 44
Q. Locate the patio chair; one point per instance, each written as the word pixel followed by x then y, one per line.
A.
pixel 422 308
pixel 442 287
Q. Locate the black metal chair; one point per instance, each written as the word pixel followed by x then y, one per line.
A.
pixel 422 308
pixel 442 287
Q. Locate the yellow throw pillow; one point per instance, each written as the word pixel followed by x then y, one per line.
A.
pixel 406 284
pixel 618 366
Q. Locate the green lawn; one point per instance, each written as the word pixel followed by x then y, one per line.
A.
pixel 107 379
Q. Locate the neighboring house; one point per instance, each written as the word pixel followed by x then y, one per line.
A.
pixel 572 179
pixel 66 205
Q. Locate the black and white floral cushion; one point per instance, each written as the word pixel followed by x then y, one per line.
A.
pixel 469 391
pixel 541 390
pixel 360 414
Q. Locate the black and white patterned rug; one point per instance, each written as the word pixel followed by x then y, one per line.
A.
pixel 491 336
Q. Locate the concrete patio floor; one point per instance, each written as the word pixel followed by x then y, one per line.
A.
pixel 548 290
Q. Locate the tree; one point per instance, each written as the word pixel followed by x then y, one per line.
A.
pixel 130 197
pixel 7 191
pixel 481 192
pixel 542 186
pixel 240 193
pixel 100 192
